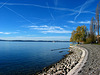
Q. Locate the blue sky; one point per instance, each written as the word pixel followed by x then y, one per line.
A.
pixel 44 19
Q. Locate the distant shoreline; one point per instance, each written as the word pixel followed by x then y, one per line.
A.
pixel 33 41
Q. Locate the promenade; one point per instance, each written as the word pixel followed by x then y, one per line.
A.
pixel 92 66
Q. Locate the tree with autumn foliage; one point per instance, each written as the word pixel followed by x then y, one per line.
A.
pixel 73 39
pixel 79 35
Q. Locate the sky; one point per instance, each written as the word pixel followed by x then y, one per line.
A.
pixel 44 19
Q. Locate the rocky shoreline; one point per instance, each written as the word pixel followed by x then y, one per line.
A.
pixel 64 65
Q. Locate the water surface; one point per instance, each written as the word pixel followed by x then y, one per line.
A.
pixel 23 58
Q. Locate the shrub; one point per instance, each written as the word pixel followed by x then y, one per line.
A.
pixel 88 40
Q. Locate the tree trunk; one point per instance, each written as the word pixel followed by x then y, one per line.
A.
pixel 98 31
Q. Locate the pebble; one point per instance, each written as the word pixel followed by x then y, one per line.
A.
pixel 66 64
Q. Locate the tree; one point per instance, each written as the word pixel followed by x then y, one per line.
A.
pixel 72 39
pixel 91 26
pixel 79 35
pixel 97 18
pixel 92 38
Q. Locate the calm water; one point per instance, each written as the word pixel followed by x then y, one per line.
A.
pixel 23 58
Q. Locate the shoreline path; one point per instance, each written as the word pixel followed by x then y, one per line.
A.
pixel 92 65
pixel 81 62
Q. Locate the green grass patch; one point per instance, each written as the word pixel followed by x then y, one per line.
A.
pixel 97 44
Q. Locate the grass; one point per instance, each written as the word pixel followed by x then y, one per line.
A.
pixel 97 44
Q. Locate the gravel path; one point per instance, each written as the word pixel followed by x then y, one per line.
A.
pixel 92 66
pixel 81 62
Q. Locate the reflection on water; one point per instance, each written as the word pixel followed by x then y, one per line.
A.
pixel 28 57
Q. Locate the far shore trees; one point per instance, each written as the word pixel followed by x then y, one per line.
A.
pixel 79 35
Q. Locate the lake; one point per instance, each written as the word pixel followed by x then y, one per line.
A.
pixel 26 58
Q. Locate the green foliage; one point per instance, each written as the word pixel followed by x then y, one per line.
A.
pixel 88 40
pixel 91 38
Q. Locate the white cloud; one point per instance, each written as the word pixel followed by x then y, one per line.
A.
pixel 56 31
pixel 39 28
pixel 45 27
pixel 1 32
pixel 49 29
pixel 66 26
pixel 32 26
pixel 80 22
pixel 7 33
pixel 57 27
pixel 70 28
pixel 84 22
pixel 71 21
